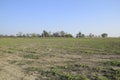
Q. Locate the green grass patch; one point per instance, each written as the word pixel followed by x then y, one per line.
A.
pixel 112 63
pixel 56 73
pixel 101 78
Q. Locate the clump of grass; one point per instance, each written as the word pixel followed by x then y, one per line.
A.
pixel 74 66
pixel 56 73
pixel 112 63
pixel 29 62
pixel 12 61
pixel 31 56
pixel 81 65
pixel 97 69
pixel 0 69
pixel 23 62
pixel 30 51
pixel 69 76
pixel 101 78
pixel 7 51
pixel 32 69
pixel 112 74
pixel 116 74
pixel 20 63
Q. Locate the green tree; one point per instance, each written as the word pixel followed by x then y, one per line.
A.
pixel 91 35
pixel 80 35
pixel 104 35
pixel 19 34
pixel 33 35
pixel 56 34
pixel 45 34
pixel 62 34
pixel 68 35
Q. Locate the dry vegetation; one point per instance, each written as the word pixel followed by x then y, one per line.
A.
pixel 59 59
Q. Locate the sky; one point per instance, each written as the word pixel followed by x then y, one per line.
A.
pixel 71 16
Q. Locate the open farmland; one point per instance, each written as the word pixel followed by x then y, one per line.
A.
pixel 59 59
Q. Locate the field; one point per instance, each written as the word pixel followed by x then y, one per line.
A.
pixel 59 59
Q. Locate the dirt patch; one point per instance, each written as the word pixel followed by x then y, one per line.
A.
pixel 12 72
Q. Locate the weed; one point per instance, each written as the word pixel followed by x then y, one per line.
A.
pixel 112 63
pixel 81 65
pixel 116 74
pixel 12 61
pixel 31 56
pixel 32 69
pixel 102 78
pixel 65 75
pixel 96 69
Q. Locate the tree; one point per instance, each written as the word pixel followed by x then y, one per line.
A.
pixel 19 34
pixel 68 35
pixel 33 35
pixel 23 35
pixel 27 35
pixel 62 34
pixel 45 34
pixel 1 35
pixel 56 34
pixel 80 35
pixel 91 35
pixel 104 35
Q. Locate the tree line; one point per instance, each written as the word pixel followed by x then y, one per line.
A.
pixel 56 34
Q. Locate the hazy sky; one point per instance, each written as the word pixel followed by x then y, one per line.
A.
pixel 34 16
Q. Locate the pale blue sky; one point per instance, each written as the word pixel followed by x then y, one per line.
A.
pixel 34 16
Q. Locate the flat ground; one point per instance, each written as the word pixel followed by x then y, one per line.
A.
pixel 59 59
